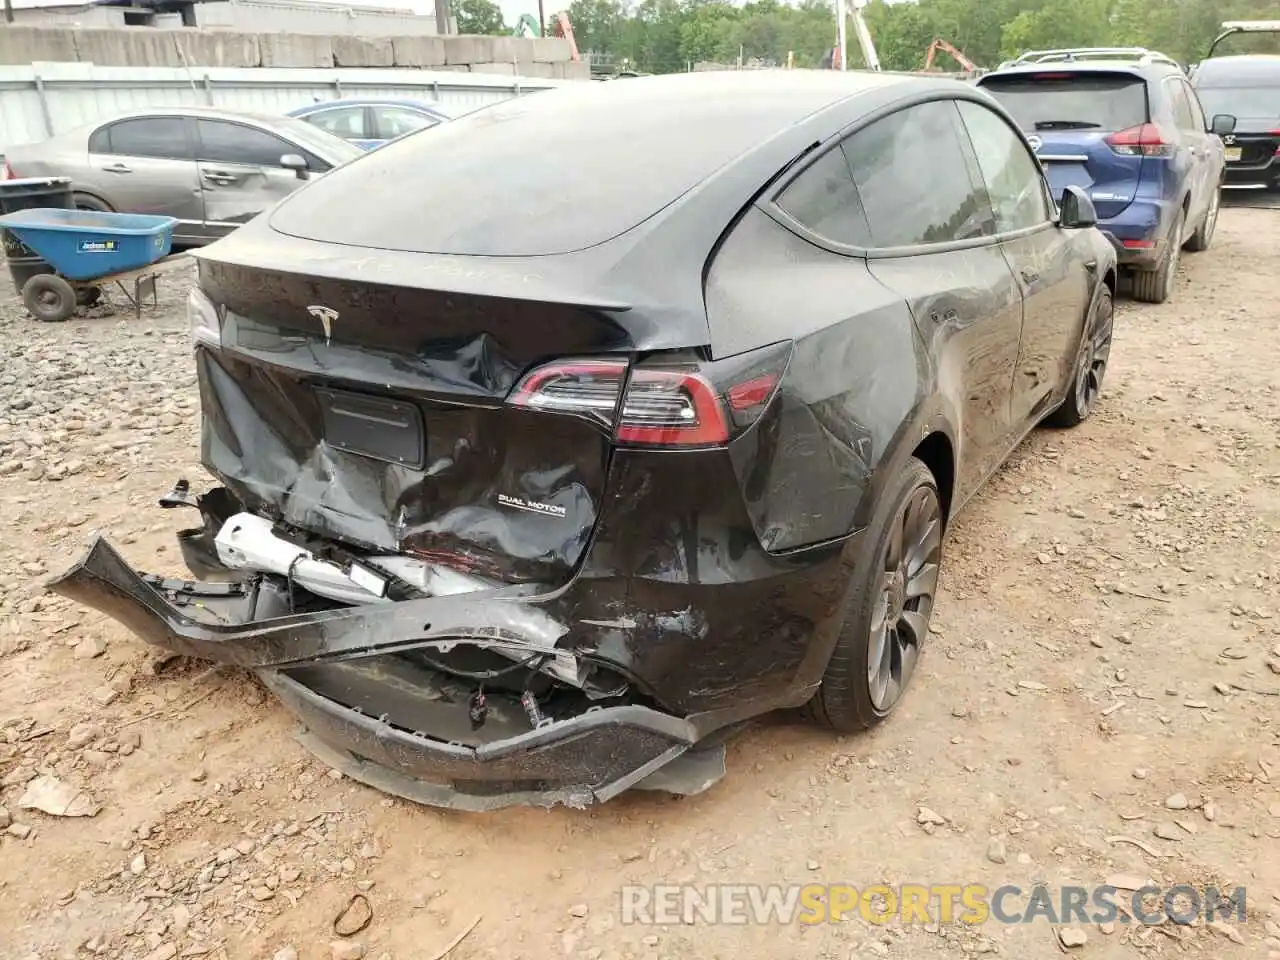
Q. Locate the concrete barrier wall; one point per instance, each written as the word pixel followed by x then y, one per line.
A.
pixel 150 47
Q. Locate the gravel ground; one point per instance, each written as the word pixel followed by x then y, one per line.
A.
pixel 1101 697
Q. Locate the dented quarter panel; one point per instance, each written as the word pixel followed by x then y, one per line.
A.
pixel 854 380
pixel 697 611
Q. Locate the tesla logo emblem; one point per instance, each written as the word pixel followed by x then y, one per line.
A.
pixel 1035 142
pixel 326 316
pixel 1228 139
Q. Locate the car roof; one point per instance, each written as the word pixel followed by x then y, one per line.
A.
pixel 213 113
pixel 573 167
pixel 1246 66
pixel 1144 71
pixel 430 106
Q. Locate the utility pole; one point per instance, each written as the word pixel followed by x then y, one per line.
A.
pixel 842 35
pixel 8 11
pixel 442 17
pixel 542 21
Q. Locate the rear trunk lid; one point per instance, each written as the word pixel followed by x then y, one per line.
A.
pixel 1070 117
pixel 380 415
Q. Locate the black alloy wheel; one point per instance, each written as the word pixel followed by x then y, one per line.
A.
pixel 888 606
pixel 1091 365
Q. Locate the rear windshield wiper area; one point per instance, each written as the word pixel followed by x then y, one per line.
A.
pixel 1066 125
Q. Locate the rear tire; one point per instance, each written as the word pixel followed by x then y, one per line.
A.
pixel 1156 286
pixel 1090 366
pixel 1203 236
pixel 887 607
pixel 87 201
pixel 49 298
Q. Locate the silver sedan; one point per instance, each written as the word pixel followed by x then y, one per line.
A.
pixel 211 169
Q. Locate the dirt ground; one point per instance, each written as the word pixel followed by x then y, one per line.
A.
pixel 1107 638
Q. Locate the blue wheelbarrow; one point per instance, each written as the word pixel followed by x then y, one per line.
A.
pixel 85 249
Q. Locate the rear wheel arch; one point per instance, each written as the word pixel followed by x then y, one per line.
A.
pixel 87 200
pixel 937 453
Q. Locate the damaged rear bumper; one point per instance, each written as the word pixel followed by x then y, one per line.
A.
pixel 321 663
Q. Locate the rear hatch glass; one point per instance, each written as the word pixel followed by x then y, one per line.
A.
pixel 546 173
pixel 1069 116
pixel 1257 113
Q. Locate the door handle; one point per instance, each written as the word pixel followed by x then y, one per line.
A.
pixel 220 178
pixel 117 168
pixel 1030 276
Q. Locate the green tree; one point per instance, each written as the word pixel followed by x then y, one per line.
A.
pixel 479 17
pixel 666 35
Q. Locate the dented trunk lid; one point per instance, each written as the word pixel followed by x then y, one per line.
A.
pixel 348 404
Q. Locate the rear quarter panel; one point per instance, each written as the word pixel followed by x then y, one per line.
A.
pixel 808 468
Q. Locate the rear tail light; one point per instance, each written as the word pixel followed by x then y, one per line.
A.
pixel 671 408
pixel 659 404
pixel 8 172
pixel 585 388
pixel 1137 244
pixel 1147 140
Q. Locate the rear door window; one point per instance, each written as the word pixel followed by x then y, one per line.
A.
pixel 345 122
pixel 1197 111
pixel 392 122
pixel 1072 101
pixel 825 201
pixel 1182 112
pixel 1012 176
pixel 913 174
pixel 163 138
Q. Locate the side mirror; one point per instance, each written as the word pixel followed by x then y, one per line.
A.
pixel 296 163
pixel 1222 124
pixel 1077 210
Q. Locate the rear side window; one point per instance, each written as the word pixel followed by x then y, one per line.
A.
pixel 824 199
pixel 912 169
pixel 1072 101
pixel 161 138
pixel 1182 113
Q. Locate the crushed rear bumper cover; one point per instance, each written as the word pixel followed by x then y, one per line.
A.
pixel 577 761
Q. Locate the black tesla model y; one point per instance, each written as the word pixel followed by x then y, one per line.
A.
pixel 559 441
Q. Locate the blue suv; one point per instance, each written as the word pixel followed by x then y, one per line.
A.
pixel 1125 125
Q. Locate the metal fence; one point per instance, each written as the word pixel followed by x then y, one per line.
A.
pixel 42 99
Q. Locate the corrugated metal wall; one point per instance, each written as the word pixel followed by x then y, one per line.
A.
pixel 47 98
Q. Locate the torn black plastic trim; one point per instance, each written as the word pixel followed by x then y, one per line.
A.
pixel 104 581
pixel 577 760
